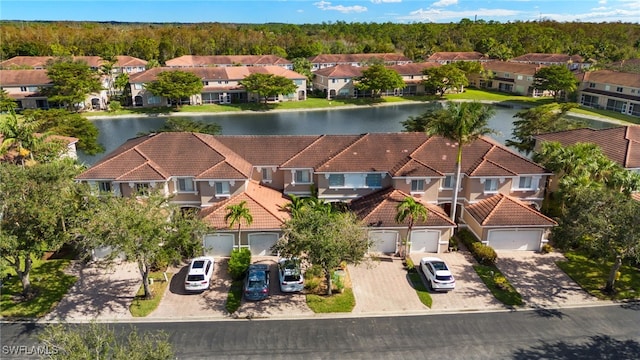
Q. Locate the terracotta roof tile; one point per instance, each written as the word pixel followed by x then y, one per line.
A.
pixel 267 149
pixel 93 61
pixel 217 73
pixel 511 67
pixel 24 78
pixel 503 210
pixel 340 71
pixel 144 172
pixel 225 60
pixel 457 56
pixel 415 168
pixel 324 148
pixel 379 209
pixel 357 58
pixel 263 203
pixel 413 68
pixel 613 78
pixel 548 58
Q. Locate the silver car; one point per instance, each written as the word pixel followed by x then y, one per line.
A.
pixel 199 274
pixel 438 275
pixel 290 275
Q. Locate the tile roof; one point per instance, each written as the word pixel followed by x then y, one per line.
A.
pixel 511 67
pixel 379 209
pixel 281 148
pixel 93 61
pixel 504 210
pixel 213 60
pixel 457 56
pixel 548 58
pixel 217 73
pixel 322 149
pixel 357 58
pixel 340 71
pixel 413 68
pixel 24 78
pixel 621 144
pixel 613 78
pixel 264 204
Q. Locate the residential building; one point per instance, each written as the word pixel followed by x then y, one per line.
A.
pixel 370 171
pixel 188 61
pixel 505 76
pixel 124 63
pixel 221 85
pixel 24 87
pixel 573 62
pixel 445 57
pixel 322 61
pixel 610 90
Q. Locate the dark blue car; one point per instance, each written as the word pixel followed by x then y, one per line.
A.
pixel 256 284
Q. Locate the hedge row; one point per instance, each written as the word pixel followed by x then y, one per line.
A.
pixel 484 254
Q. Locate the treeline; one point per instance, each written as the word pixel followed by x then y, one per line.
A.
pixel 601 42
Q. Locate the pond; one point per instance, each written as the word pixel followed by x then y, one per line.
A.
pixel 115 131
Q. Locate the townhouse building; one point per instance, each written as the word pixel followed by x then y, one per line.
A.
pixel 498 200
pixel 221 85
pixel 25 88
pixel 506 76
pixel 572 62
pixel 611 90
pixel 188 61
pixel 449 57
pixel 123 64
pixel 323 61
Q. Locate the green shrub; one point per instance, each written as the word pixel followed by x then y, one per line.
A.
pixel 234 297
pixel 409 265
pixel 114 106
pixel 453 243
pixel 467 238
pixel 314 271
pixel 546 248
pixel 312 284
pixel 337 281
pixel 239 263
pixel 484 254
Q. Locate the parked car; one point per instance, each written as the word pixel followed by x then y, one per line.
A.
pixel 256 283
pixel 438 275
pixel 199 274
pixel 290 275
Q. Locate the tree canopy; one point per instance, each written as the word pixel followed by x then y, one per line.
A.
pixel 6 102
pixel 376 78
pixel 440 79
pixel 178 124
pixel 71 82
pixel 410 210
pixel 175 85
pixel 555 78
pixel 268 85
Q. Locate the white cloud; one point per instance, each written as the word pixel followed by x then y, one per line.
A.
pixel 325 5
pixel 600 15
pixel 385 1
pixel 602 2
pixel 435 15
pixel 443 3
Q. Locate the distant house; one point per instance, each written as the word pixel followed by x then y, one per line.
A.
pixel 188 61
pixel 573 62
pixel 370 172
pixel 444 58
pixel 124 63
pixel 508 77
pixel 221 85
pixel 323 61
pixel 610 90
pixel 412 76
pixel 24 87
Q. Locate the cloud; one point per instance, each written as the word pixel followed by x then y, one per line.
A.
pixel 385 1
pixel 435 15
pixel 443 3
pixel 325 5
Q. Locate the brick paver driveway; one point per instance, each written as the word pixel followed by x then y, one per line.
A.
pixel 539 280
pixel 470 292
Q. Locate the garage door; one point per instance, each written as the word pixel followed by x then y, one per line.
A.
pixel 260 244
pixel 383 241
pixel 515 239
pixel 218 244
pixel 425 241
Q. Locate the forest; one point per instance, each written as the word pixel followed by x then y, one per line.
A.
pixel 601 43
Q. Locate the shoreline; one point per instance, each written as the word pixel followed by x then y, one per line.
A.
pixel 341 107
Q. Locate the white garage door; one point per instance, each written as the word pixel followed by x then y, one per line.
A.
pixel 383 241
pixel 260 244
pixel 515 239
pixel 218 244
pixel 425 241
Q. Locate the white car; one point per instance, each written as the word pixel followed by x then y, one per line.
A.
pixel 290 275
pixel 437 272
pixel 199 274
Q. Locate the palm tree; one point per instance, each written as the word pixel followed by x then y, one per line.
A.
pixel 463 123
pixel 296 205
pixel 19 138
pixel 411 210
pixel 237 213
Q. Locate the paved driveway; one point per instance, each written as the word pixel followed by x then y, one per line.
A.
pixel 470 292
pixel 101 292
pixel 178 304
pixel 539 280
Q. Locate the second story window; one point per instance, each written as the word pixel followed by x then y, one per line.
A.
pixel 592 85
pixel 302 177
pixel 526 183
pixel 23 88
pixel 417 185
pixel 185 184
pixel 373 180
pixel 619 89
pixel 491 185
pixel 267 175
pixel 222 188
pixel 336 180
pixel 447 182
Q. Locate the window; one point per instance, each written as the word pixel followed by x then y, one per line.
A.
pixel 619 89
pixel 185 185
pixel 333 81
pixel 525 182
pixel 529 78
pixel 373 180
pixel 154 100
pixel 23 88
pixel 491 185
pixel 417 185
pixel 137 86
pixel 104 186
pixel 592 85
pixel 302 176
pixel 222 188
pixel 336 180
pixel 520 77
pixel 447 183
pixel 205 83
pixel 507 75
pixel 142 189
pixel 266 175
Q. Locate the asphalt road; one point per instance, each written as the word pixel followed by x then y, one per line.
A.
pixel 598 332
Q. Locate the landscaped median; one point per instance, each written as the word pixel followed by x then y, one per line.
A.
pixel 416 282
pixel 141 307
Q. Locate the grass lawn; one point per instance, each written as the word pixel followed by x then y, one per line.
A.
pixel 498 285
pixel 605 114
pixel 418 285
pixel 234 297
pixel 47 279
pixel 592 277
pixel 141 307
pixel 337 302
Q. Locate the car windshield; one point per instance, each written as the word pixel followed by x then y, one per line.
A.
pixel 288 278
pixel 439 265
pixel 444 277
pixel 198 264
pixel 195 277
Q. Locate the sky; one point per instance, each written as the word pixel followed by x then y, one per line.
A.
pixel 319 11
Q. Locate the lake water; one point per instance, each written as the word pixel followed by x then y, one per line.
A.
pixel 114 132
